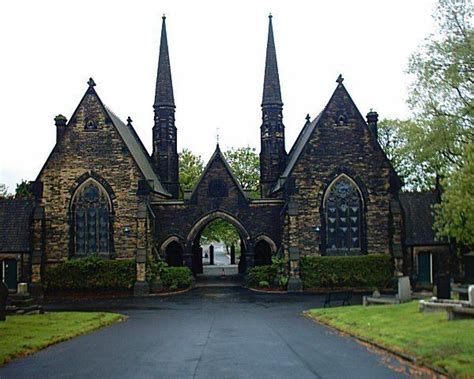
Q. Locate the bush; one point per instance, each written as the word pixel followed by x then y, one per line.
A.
pixel 91 274
pixel 264 284
pixel 364 271
pixel 176 277
pixel 260 274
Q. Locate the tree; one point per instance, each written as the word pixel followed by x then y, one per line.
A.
pixel 191 167
pixel 394 138
pixel 245 164
pixel 221 231
pixel 23 190
pixel 441 95
pixel 455 214
pixel 3 191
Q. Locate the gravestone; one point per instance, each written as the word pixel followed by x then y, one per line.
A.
pixel 3 300
pixel 404 290
pixel 443 286
pixel 211 254
pixel 470 293
pixel 22 289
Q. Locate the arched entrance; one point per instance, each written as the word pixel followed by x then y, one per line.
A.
pixel 174 254
pixel 263 253
pixel 194 251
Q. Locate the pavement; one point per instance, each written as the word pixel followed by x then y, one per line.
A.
pixel 208 332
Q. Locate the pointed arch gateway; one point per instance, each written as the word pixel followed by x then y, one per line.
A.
pixel 343 217
pixel 91 209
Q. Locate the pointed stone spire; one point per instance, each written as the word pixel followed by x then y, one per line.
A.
pixel 271 84
pixel 164 85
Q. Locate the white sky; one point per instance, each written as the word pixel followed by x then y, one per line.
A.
pixel 49 49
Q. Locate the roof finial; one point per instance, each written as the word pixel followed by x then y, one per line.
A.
pixel 270 15
pixel 217 136
pixel 91 82
pixel 129 121
pixel 308 118
pixel 339 79
pixel 164 16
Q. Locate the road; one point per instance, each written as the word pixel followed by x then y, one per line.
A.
pixel 208 333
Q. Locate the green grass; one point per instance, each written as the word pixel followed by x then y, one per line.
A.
pixel 22 335
pixel 448 345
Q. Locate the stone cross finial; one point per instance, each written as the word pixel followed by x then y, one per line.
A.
pixel 308 118
pixel 339 79
pixel 129 120
pixel 91 82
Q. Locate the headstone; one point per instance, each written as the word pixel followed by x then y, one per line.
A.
pixel 22 289
pixel 3 300
pixel 470 293
pixel 211 254
pixel 443 287
pixel 404 290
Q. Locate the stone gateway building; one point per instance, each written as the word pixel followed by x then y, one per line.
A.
pixel 100 191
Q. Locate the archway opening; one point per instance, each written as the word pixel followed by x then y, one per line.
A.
pixel 263 253
pixel 218 248
pixel 174 254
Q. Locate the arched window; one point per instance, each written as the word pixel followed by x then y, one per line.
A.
pixel 91 217
pixel 343 212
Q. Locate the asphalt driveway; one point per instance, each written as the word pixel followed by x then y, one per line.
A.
pixel 208 333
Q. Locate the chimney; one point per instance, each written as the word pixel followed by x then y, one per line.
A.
pixel 60 121
pixel 372 118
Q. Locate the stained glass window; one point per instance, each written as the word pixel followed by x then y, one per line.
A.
pixel 343 208
pixel 91 220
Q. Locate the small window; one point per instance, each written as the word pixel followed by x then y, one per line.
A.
pixel 90 125
pixel 341 120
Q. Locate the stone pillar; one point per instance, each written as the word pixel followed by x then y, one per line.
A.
pixel 211 255
pixel 294 282
pixel 248 256
pixel 232 254
pixel 397 228
pixel 141 286
pixel 36 287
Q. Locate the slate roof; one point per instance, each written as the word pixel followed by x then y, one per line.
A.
pixel 419 218
pixel 138 152
pixel 15 217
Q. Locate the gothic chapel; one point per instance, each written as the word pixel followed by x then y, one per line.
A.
pixel 100 191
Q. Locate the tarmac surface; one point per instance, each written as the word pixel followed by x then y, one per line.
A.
pixel 208 332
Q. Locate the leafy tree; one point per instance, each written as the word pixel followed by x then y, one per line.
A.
pixel 191 167
pixel 441 95
pixel 394 137
pixel 3 191
pixel 455 214
pixel 221 231
pixel 23 190
pixel 245 164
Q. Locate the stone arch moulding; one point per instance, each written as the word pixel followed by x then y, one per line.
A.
pixel 268 240
pixel 340 176
pixel 81 180
pixel 201 223
pixel 168 240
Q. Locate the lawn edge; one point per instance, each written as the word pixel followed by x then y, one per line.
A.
pixel 408 357
pixel 27 352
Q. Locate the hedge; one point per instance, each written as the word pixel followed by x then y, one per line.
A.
pixel 176 277
pixel 91 274
pixel 364 271
pixel 259 274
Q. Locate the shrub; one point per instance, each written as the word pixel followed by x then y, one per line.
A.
pixel 264 284
pixel 364 271
pixel 91 274
pixel 259 274
pixel 176 277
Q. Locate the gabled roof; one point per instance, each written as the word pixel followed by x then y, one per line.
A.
pixel 308 130
pixel 136 148
pixel 15 217
pixel 130 139
pixel 218 155
pixel 419 218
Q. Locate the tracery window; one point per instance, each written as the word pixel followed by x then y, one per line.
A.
pixel 343 206
pixel 91 215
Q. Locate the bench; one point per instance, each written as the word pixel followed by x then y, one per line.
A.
pixel 344 296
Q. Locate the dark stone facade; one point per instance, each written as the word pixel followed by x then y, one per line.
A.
pixel 291 216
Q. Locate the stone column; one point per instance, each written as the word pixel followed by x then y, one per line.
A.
pixel 397 246
pixel 294 283
pixel 36 287
pixel 141 286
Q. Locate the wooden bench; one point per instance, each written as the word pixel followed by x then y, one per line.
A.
pixel 344 296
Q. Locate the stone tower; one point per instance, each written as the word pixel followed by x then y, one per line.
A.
pixel 165 154
pixel 272 131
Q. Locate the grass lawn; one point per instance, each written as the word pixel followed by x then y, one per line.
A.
pixel 428 336
pixel 24 334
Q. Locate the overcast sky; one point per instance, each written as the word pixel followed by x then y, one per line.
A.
pixel 49 49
